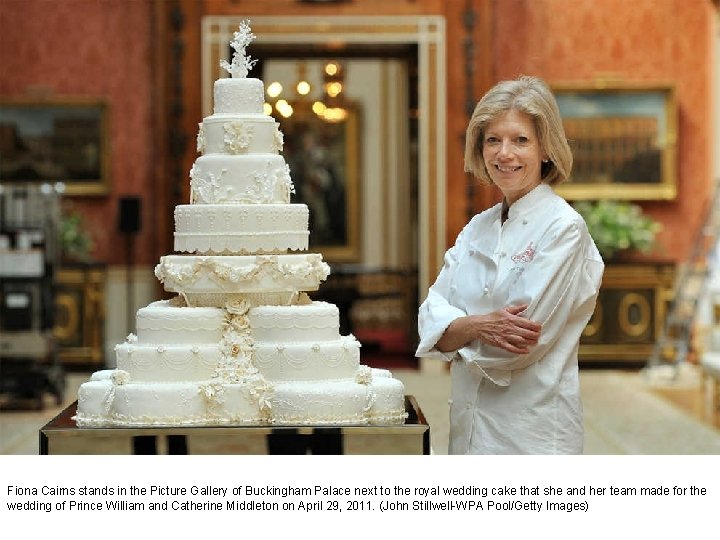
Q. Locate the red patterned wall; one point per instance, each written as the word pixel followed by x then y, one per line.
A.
pixel 91 48
pixel 103 48
pixel 641 40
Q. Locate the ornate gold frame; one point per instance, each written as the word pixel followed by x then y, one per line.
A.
pixel 21 107
pixel 622 115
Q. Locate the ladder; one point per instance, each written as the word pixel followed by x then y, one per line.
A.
pixel 691 285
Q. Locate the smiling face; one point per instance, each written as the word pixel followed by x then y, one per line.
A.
pixel 512 154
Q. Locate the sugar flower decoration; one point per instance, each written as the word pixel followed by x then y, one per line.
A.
pixel 241 63
pixel 120 377
pixel 363 375
pixel 213 394
pixel 278 140
pixel 207 190
pixel 237 306
pixel 238 137
pixel 200 139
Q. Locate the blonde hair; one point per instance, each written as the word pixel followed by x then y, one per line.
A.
pixel 533 97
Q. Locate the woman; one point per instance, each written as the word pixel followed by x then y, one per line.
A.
pixel 517 288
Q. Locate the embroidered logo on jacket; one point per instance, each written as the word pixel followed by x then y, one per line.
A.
pixel 526 256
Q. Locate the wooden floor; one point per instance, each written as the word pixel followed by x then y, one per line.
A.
pixel 698 404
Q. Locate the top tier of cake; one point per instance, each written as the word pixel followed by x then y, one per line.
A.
pixel 238 125
pixel 238 96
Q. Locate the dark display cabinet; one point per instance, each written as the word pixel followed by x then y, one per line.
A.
pixel 29 368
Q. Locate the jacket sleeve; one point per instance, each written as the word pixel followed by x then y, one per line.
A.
pixel 436 312
pixel 560 280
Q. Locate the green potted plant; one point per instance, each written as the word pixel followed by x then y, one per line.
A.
pixel 618 226
pixel 75 241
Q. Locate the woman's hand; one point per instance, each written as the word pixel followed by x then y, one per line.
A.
pixel 504 328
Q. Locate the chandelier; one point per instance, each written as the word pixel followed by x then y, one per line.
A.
pixel 331 107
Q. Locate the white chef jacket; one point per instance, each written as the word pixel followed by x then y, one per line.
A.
pixel 543 256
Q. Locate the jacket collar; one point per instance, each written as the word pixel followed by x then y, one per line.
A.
pixel 528 202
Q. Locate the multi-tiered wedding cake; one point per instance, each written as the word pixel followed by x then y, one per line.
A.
pixel 241 343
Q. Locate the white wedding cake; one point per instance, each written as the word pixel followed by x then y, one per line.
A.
pixel 241 343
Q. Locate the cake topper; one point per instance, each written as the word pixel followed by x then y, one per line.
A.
pixel 241 63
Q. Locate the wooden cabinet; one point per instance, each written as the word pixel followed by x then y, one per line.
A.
pixel 80 314
pixel 629 315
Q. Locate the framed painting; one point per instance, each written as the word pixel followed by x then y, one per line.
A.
pixel 55 141
pixel 624 141
pixel 324 159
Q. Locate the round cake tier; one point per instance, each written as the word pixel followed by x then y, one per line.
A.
pixel 248 179
pixel 241 229
pixel 103 403
pixel 220 299
pixel 308 361
pixel 314 322
pixel 168 363
pixel 320 402
pixel 94 401
pixel 238 96
pixel 387 400
pixel 222 274
pixel 162 323
pixel 239 134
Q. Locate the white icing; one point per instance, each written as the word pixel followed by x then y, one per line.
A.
pixel 165 363
pixel 102 375
pixel 320 402
pixel 308 361
pixel 241 229
pixel 363 375
pixel 238 96
pixel 318 321
pixel 239 134
pixel 238 274
pixel 163 323
pixel 183 404
pixel 388 402
pixel 94 397
pixel 241 62
pixel 377 372
pixel 220 299
pixel 243 179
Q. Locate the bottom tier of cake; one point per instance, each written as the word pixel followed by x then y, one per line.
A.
pixel 111 399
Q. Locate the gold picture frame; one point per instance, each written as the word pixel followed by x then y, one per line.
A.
pixel 323 157
pixel 624 141
pixel 56 140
